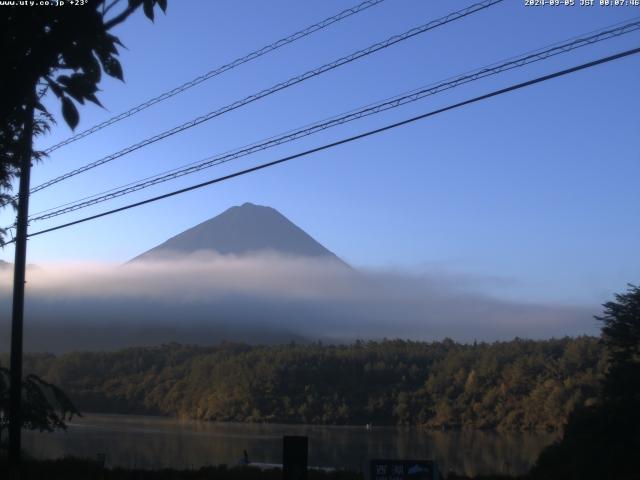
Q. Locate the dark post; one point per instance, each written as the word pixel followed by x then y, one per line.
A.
pixel 15 395
pixel 295 451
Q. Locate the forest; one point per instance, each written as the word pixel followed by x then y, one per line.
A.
pixel 514 385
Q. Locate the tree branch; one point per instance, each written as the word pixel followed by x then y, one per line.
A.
pixel 118 19
pixel 108 7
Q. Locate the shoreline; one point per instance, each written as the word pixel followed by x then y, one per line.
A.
pixel 350 426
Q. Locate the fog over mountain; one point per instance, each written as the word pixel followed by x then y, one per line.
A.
pixel 251 275
pixel 241 230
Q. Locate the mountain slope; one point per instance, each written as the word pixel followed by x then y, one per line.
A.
pixel 240 230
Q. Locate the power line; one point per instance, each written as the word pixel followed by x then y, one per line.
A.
pixel 346 140
pixel 219 70
pixel 372 109
pixel 280 86
pixel 572 43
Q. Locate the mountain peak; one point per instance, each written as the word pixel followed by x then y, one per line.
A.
pixel 240 230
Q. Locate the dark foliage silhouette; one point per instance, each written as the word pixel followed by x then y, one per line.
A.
pixel 603 440
pixel 45 406
pixel 57 49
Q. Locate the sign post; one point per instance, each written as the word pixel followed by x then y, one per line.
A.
pixel 295 453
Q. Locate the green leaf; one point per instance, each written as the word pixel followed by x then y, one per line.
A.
pixel 106 45
pixel 92 98
pixel 55 88
pixel 116 41
pixel 70 113
pixel 64 80
pixel 79 86
pixel 39 106
pixel 92 69
pixel 148 9
pixel 72 58
pixel 112 67
pixel 75 95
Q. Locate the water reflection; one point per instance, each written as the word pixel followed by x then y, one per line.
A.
pixel 151 442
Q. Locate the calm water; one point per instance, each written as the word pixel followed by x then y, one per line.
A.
pixel 153 442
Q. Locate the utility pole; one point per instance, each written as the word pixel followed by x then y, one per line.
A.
pixel 15 395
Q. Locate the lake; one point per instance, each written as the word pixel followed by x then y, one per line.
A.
pixel 155 442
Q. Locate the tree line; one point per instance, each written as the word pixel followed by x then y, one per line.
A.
pixel 514 385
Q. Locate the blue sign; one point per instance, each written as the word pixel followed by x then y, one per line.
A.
pixel 404 470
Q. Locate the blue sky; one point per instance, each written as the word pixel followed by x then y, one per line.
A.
pixel 538 188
